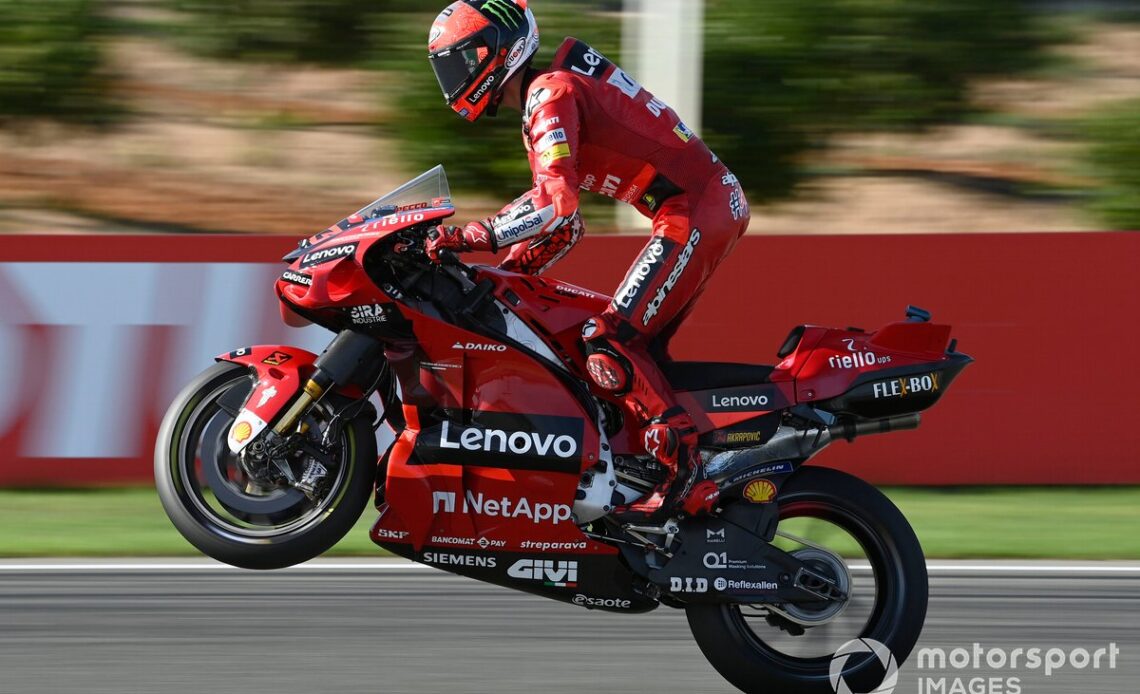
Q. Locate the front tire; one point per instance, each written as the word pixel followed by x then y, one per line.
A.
pixel 741 655
pixel 228 516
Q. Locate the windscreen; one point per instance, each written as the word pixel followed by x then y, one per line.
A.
pixel 429 189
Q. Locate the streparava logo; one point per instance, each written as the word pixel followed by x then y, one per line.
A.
pixel 886 659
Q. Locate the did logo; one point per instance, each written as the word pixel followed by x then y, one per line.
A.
pixel 857 646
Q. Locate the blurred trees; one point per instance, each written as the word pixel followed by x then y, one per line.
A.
pixel 782 75
pixel 49 59
pixel 1114 156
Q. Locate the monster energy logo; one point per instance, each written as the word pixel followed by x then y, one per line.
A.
pixel 504 10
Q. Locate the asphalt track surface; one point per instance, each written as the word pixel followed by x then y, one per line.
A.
pixel 179 627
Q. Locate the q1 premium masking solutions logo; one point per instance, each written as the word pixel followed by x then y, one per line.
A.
pixel 974 670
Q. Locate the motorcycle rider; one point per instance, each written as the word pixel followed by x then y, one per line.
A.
pixel 587 125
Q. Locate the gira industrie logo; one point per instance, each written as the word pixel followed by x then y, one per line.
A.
pixel 506 11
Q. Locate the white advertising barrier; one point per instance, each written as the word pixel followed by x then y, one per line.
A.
pixel 96 352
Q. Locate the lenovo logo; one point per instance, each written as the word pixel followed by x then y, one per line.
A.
pixel 508 443
pixel 326 255
pixel 721 401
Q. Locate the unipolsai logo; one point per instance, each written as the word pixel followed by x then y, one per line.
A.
pixel 856 646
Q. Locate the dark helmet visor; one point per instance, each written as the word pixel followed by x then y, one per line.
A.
pixel 456 68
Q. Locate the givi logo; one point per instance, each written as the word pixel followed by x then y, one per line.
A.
pixel 559 574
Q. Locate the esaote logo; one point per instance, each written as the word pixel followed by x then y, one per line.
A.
pixel 886 659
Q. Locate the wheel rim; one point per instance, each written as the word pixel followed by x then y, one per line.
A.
pixel 857 620
pixel 214 488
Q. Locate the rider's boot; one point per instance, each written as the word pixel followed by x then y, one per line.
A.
pixel 628 372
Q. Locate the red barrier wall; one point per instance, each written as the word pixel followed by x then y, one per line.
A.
pixel 1045 403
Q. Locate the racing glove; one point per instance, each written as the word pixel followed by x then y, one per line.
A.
pixel 476 236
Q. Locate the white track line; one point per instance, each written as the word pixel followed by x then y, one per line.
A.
pixel 16 566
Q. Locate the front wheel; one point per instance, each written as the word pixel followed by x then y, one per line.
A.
pixel 845 528
pixel 245 512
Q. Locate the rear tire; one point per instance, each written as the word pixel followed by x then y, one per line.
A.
pixel 742 657
pixel 297 529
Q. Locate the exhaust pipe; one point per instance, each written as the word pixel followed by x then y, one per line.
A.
pixel 853 430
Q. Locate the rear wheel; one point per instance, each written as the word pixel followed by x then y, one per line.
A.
pixel 243 511
pixel 850 532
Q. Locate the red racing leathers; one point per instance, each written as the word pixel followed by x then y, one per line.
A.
pixel 588 126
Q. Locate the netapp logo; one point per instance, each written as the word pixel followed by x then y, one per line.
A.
pixel 442 559
pixel 560 574
pixel 506 507
pixel 511 443
pixel 326 255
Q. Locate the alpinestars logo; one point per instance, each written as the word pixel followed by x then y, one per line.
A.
pixel 330 254
pixel 505 507
pixel 674 275
pixel 557 574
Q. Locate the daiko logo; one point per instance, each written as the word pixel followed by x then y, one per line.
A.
pixel 505 507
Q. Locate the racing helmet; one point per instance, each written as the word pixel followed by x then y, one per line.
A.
pixel 475 47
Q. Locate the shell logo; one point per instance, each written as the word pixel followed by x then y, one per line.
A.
pixel 760 491
pixel 242 431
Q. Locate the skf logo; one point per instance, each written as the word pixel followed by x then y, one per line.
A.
pixel 760 491
pixel 687 584
pixel 907 385
pixel 558 574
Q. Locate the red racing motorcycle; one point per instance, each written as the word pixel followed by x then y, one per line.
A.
pixel 507 462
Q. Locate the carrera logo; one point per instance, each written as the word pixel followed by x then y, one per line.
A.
pixel 906 386
pixel 481 90
pixel 326 255
pixel 505 507
pixel 613 603
pixel 557 574
pixel 479 347
pixel 512 442
pixel 674 275
pixel 297 278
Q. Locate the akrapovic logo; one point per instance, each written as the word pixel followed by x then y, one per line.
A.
pixel 647 265
pixel 297 278
pixel 674 275
pixel 558 574
pixel 481 91
pixel 503 507
pixel 326 255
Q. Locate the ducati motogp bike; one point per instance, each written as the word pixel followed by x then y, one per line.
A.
pixel 507 462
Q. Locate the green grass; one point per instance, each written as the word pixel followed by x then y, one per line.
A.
pixel 1059 523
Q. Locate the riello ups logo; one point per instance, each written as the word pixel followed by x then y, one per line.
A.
pixel 505 440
